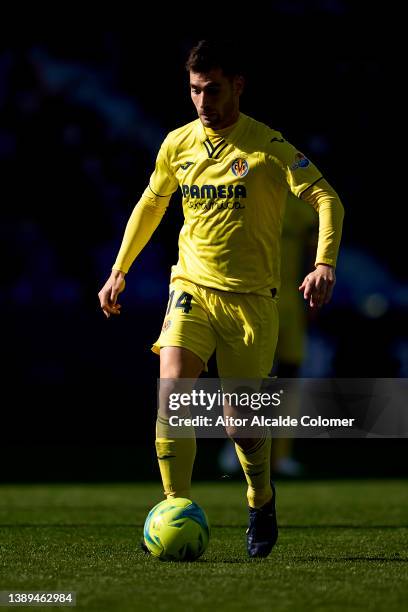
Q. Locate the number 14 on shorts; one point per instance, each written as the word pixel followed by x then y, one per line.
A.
pixel 183 301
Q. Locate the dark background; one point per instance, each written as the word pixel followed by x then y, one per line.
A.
pixel 83 109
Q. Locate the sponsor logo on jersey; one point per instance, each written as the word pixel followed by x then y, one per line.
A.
pixel 210 205
pixel 186 165
pixel 300 161
pixel 214 191
pixel 240 167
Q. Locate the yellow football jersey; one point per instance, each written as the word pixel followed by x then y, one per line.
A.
pixel 234 184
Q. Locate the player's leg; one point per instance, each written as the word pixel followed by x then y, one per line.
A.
pixel 185 345
pixel 254 455
pixel 245 350
pixel 179 368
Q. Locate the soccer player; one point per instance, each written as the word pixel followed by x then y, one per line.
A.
pixel 234 173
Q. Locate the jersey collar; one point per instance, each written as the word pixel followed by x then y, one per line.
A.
pixel 229 131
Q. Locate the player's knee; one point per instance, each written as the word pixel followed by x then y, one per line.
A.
pixel 178 362
pixel 173 394
pixel 232 432
pixel 235 434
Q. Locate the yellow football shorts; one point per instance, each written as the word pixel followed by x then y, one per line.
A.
pixel 242 328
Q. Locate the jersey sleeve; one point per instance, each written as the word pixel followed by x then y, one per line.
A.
pixel 163 181
pixel 143 221
pixel 290 166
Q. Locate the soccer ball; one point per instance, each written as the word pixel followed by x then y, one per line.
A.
pixel 176 530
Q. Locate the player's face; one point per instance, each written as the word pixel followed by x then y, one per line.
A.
pixel 216 97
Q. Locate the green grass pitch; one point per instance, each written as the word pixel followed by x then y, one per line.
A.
pixel 343 546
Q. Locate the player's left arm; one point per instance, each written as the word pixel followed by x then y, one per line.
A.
pixel 318 285
pixel 305 181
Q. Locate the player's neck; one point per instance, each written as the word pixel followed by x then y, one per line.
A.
pixel 226 128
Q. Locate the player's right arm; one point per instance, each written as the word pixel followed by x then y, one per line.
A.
pixel 143 221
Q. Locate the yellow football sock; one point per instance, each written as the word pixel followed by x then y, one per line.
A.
pixel 257 469
pixel 176 458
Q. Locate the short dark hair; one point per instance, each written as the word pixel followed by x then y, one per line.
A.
pixel 209 54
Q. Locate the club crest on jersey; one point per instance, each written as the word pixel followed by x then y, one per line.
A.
pixel 301 161
pixel 166 325
pixel 240 167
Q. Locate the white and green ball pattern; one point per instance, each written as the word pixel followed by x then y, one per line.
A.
pixel 176 530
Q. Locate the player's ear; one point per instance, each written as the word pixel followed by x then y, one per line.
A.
pixel 239 84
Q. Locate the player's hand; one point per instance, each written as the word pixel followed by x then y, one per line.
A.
pixel 318 285
pixel 108 295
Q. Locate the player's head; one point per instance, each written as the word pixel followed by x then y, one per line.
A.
pixel 216 82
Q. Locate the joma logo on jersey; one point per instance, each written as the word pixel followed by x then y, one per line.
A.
pixel 214 191
pixel 240 167
pixel 186 165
